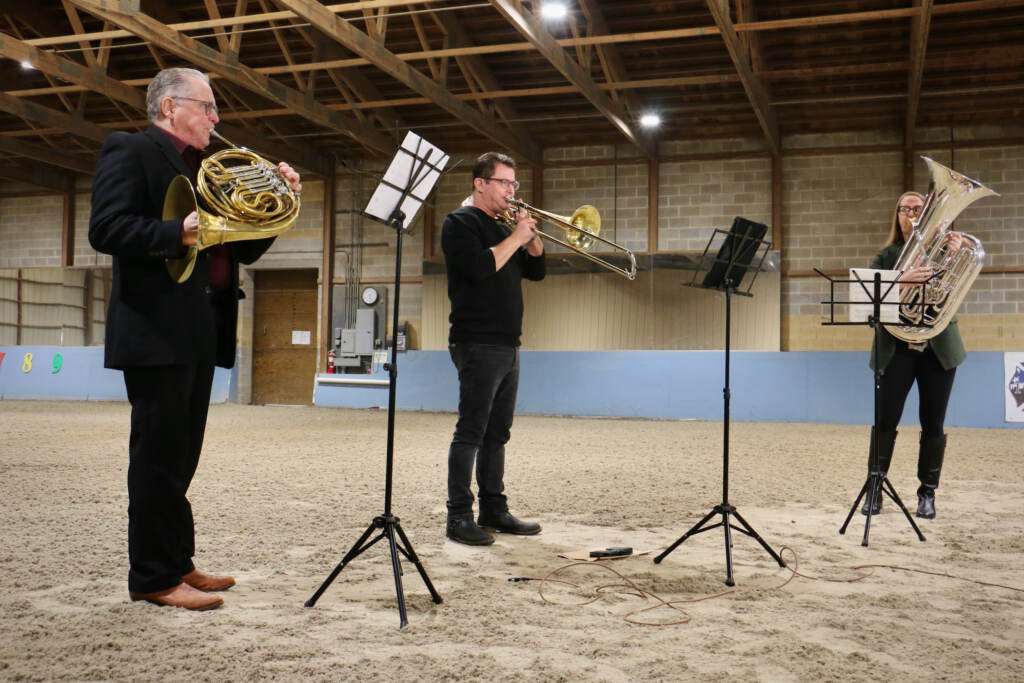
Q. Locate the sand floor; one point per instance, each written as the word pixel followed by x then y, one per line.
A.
pixel 282 493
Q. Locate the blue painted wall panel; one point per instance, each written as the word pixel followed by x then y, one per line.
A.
pixel 82 376
pixel 826 387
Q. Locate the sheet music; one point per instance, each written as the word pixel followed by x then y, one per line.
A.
pixel 863 291
pixel 417 164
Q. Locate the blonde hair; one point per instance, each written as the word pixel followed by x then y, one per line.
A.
pixel 895 233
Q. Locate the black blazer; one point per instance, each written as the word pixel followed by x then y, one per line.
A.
pixel 152 320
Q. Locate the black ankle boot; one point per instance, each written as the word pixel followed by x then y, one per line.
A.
pixel 876 506
pixel 502 521
pixel 925 502
pixel 929 467
pixel 465 530
pixel 886 440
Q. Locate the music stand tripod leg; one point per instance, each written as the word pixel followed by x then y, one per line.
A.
pixel 753 534
pixel 410 554
pixel 891 492
pixel 357 549
pixel 415 158
pixel 396 569
pixel 696 529
pixel 729 581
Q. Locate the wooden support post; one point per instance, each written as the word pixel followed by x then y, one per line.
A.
pixel 67 240
pixel 777 202
pixel 653 174
pixel 538 186
pixel 327 273
pixel 429 229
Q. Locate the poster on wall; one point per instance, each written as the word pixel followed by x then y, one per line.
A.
pixel 1013 381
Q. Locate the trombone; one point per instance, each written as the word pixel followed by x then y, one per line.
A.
pixel 582 229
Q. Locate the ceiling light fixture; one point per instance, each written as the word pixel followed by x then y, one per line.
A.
pixel 554 10
pixel 650 120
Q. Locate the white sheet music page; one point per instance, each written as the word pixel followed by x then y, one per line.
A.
pixel 861 307
pixel 418 165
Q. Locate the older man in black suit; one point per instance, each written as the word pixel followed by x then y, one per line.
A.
pixel 166 336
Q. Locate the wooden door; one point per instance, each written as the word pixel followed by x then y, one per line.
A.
pixel 284 337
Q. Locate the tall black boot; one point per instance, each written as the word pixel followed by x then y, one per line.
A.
pixel 929 467
pixel 886 442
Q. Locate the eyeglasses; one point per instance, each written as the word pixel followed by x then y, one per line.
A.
pixel 907 210
pixel 208 107
pixel 507 184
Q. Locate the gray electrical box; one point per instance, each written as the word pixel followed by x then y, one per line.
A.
pixel 366 323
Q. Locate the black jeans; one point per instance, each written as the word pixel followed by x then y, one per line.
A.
pixel 169 407
pixel 934 385
pixel 488 382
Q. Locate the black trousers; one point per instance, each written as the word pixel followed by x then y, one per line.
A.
pixel 934 385
pixel 169 407
pixel 488 384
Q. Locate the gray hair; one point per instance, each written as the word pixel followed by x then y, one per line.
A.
pixel 169 83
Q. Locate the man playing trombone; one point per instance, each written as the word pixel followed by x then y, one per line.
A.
pixel 485 263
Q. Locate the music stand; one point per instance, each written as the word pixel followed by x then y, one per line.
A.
pixel 412 175
pixel 874 296
pixel 738 249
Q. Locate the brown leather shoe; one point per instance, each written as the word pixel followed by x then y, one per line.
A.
pixel 182 595
pixel 208 582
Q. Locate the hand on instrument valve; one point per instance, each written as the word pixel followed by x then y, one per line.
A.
pixel 917 274
pixel 292 175
pixel 190 230
pixel 526 232
pixel 954 240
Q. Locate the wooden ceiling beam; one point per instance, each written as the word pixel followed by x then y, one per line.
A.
pixel 227 66
pixel 222 40
pixel 92 77
pixel 47 155
pixel 41 175
pixel 478 69
pixel 95 79
pixel 534 31
pixel 385 60
pixel 51 118
pixel 756 92
pixel 353 79
pixel 669 34
pixel 224 22
pixel 611 60
pixel 235 41
pixel 919 27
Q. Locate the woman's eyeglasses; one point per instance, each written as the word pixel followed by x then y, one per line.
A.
pixel 907 210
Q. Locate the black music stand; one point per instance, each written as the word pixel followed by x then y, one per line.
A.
pixel 412 175
pixel 876 480
pixel 738 249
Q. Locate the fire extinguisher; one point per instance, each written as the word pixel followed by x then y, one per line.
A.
pixel 330 362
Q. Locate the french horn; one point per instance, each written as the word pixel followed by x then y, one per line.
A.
pixel 248 197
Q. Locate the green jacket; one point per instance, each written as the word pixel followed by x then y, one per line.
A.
pixel 947 345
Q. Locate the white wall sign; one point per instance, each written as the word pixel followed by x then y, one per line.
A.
pixel 1013 386
pixel 300 337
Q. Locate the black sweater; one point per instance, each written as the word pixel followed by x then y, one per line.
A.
pixel 487 306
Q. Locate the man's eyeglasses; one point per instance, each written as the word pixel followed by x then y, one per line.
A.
pixel 907 210
pixel 507 184
pixel 208 107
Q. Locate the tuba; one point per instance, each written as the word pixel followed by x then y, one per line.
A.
pixel 248 197
pixel 934 302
